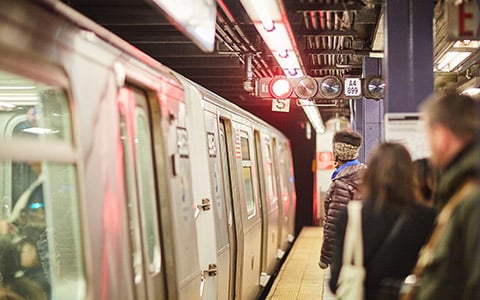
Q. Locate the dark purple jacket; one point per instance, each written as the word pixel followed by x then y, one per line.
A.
pixel 344 187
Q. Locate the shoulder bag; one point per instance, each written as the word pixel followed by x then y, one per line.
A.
pixel 352 273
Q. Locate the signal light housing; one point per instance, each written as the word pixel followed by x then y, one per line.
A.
pixel 280 88
pixel 328 87
pixel 374 87
pixel 306 88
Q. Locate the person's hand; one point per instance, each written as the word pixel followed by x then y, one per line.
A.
pixel 7 228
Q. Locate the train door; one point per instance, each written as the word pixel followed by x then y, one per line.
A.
pixel 225 146
pixel 202 193
pixel 292 199
pixel 220 185
pixel 40 231
pixel 251 227
pixel 269 205
pixel 149 277
pixel 284 197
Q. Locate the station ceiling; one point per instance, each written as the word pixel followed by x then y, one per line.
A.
pixel 332 37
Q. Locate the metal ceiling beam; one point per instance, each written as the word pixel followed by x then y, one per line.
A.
pixel 167 50
pixel 336 52
pixel 316 7
pixel 222 73
pixel 149 34
pixel 124 14
pixel 205 62
pixel 308 33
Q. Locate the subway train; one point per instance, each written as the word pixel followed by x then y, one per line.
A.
pixel 121 179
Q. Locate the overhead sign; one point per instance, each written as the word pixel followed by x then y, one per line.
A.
pixel 195 18
pixel 407 129
pixel 353 87
pixel 281 105
pixel 463 20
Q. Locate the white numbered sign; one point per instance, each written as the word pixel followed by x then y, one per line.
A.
pixel 353 87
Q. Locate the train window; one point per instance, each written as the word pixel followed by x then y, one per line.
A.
pixel 40 243
pixel 247 175
pixel 140 179
pixel 271 191
pixel 132 203
pixel 283 171
pixel 44 227
pixel 226 172
pixel 33 110
pixel 245 149
pixel 146 186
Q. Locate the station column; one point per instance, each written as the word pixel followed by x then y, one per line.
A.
pixel 369 113
pixel 408 62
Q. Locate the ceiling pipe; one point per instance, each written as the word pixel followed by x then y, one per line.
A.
pixel 248 83
pixel 246 44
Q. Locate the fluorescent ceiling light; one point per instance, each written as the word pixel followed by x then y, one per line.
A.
pixel 467 44
pixel 7 105
pixel 451 60
pixel 264 15
pixel 274 29
pixel 18 97
pixel 313 115
pixel 17 87
pixel 39 130
pixel 471 91
pixel 471 87
pixel 196 19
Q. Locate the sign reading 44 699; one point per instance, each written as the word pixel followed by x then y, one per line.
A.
pixel 352 87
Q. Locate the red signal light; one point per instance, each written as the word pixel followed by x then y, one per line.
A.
pixel 280 88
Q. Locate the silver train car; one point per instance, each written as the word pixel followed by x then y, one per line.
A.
pixel 121 179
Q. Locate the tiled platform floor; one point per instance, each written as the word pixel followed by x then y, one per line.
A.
pixel 300 276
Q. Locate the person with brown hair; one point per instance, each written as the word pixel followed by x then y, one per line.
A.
pixel 425 179
pixel 395 223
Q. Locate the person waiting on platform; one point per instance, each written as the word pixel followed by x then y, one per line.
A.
pixel 449 265
pixel 395 223
pixel 425 178
pixel 343 188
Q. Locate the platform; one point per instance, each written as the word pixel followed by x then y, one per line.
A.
pixel 300 277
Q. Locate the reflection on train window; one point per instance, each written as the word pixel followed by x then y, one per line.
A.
pixel 271 191
pixel 146 187
pixel 247 175
pixel 283 170
pixel 40 242
pixel 33 110
pixel 245 149
pixel 132 203
pixel 226 172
